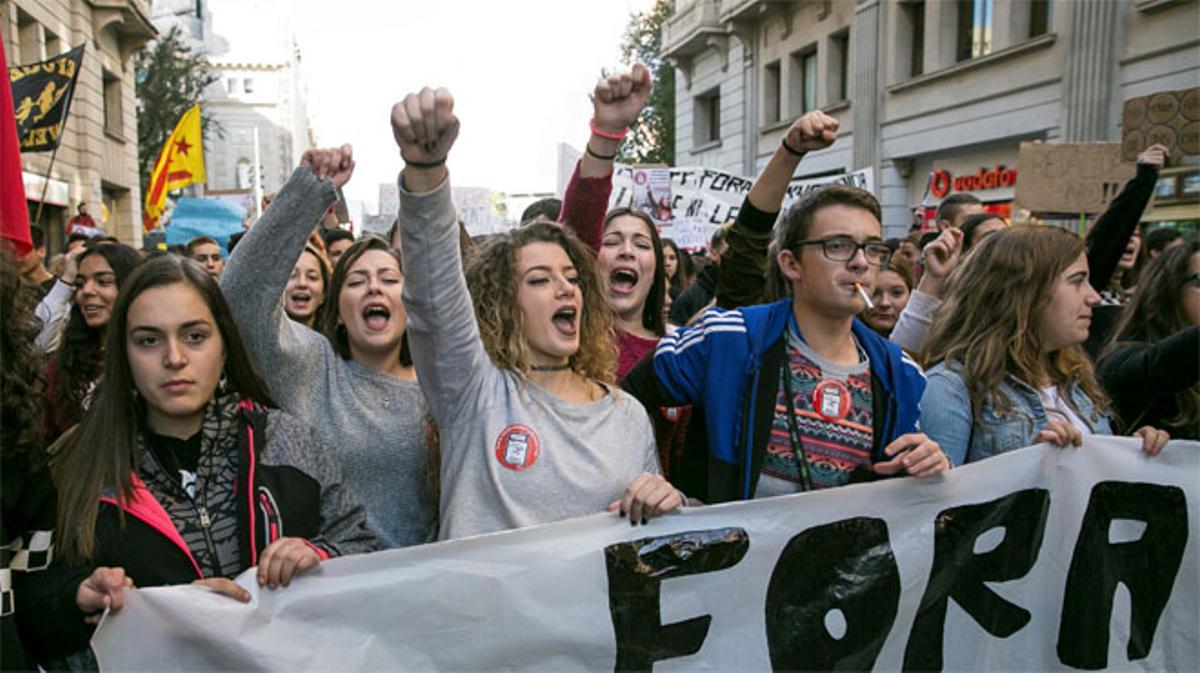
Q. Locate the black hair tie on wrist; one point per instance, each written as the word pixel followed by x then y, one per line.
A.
pixel 425 164
pixel 588 148
pixel 791 150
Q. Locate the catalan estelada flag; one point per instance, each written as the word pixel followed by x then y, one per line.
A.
pixel 180 163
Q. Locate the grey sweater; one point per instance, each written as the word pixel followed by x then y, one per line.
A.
pixel 513 454
pixel 374 421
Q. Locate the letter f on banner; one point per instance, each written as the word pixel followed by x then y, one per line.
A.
pixel 636 571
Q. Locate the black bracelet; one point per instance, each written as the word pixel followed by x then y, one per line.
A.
pixel 790 149
pixel 588 148
pixel 422 164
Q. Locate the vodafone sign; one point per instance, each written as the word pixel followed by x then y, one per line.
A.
pixel 943 182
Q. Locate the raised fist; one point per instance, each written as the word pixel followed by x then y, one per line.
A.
pixel 424 126
pixel 619 99
pixel 1155 155
pixel 336 163
pixel 814 131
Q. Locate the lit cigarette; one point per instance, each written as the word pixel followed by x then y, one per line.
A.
pixel 866 299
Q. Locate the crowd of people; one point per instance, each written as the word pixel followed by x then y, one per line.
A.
pixel 188 415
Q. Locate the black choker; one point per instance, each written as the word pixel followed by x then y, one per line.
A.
pixel 551 368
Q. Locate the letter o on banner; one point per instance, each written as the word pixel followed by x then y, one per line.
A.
pixel 846 566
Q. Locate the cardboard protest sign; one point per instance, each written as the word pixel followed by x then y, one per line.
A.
pixel 1037 559
pixel 1170 118
pixel 1070 177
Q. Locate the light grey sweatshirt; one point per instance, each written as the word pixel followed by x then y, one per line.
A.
pixel 513 454
pixel 375 422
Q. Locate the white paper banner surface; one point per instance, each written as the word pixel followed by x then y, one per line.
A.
pixel 702 199
pixel 1039 559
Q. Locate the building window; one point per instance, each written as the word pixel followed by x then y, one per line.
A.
pixel 243 173
pixel 53 44
pixel 1041 15
pixel 803 84
pixel 29 39
pixel 231 85
pixel 974 29
pixel 248 85
pixel 914 12
pixel 113 119
pixel 707 117
pixel 772 110
pixel 839 66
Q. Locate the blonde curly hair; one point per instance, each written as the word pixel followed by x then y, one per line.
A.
pixel 492 279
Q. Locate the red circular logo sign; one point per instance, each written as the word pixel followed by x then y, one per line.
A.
pixel 940 184
pixel 517 447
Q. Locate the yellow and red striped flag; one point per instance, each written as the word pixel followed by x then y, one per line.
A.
pixel 180 163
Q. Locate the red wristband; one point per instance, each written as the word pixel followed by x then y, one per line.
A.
pixel 610 136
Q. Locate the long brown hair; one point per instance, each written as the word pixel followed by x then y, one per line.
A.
pixel 78 359
pixel 492 278
pixel 988 326
pixel 102 451
pixel 1155 312
pixel 329 325
pixel 20 371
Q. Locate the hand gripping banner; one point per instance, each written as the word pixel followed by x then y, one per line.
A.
pixel 1040 559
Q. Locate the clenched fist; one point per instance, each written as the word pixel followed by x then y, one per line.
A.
pixel 619 99
pixel 425 127
pixel 814 131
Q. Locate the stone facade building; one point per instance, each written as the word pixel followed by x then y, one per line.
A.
pixel 919 86
pixel 97 158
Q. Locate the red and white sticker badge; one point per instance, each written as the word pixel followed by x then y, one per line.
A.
pixel 517 448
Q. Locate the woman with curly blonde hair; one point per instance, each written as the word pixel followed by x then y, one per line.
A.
pixel 532 428
pixel 1009 369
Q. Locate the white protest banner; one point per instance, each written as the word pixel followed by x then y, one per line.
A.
pixel 1013 563
pixel 702 199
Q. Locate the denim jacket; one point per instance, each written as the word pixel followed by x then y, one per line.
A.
pixel 946 417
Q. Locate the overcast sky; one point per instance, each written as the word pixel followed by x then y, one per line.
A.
pixel 520 72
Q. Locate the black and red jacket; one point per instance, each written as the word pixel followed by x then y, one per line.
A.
pixel 275 498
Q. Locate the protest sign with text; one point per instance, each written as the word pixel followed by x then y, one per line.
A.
pixel 1039 559
pixel 702 199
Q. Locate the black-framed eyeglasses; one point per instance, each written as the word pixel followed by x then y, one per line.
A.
pixel 844 248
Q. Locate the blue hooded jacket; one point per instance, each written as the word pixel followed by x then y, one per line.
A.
pixel 728 365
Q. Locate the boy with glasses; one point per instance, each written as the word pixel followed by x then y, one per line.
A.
pixel 798 394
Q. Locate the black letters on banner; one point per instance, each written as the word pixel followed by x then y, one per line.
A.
pixel 636 571
pixel 845 565
pixel 1146 566
pixel 959 573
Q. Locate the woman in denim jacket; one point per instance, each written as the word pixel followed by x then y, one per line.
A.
pixel 1009 369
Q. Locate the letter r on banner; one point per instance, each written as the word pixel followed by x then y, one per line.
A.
pixel 960 573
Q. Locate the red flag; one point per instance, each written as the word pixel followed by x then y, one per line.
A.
pixel 14 215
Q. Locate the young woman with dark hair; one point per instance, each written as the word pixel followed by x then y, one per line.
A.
pixel 893 285
pixel 305 294
pixel 677 265
pixel 354 382
pixel 182 470
pixel 630 262
pixel 1151 368
pixel 1006 350
pixel 75 367
pixel 520 388
pixel 27 525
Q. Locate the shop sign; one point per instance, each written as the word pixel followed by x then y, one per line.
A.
pixel 942 182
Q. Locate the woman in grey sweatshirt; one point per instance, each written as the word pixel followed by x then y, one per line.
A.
pixel 368 407
pixel 520 387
